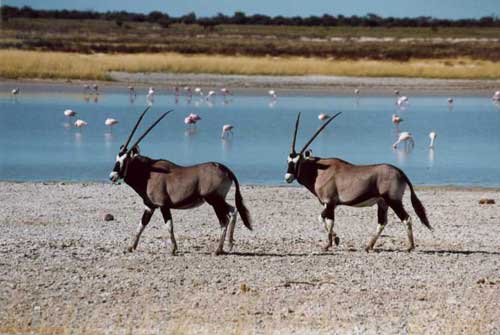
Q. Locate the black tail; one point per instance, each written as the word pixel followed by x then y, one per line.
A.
pixel 417 205
pixel 242 210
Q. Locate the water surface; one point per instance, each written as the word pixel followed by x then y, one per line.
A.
pixel 37 143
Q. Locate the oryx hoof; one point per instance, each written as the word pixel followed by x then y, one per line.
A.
pixel 410 249
pixel 369 248
pixel 219 252
pixel 326 247
pixel 336 240
pixel 173 251
pixel 230 246
pixel 131 248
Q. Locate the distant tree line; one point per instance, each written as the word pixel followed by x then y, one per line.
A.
pixel 369 20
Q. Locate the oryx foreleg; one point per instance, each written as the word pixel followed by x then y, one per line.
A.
pixel 146 217
pixel 382 221
pixel 327 217
pixel 167 217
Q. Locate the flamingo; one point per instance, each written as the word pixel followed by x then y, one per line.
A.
pixel 396 119
pixel 496 96
pixel 226 130
pixel 323 117
pixel 450 100
pixel 272 93
pixel 15 91
pixel 225 91
pixel 110 122
pixel 404 136
pixel 69 113
pixel 402 101
pixel 432 136
pixel 356 91
pixel 210 94
pixel 151 95
pixel 131 90
pixel 195 117
pixel 199 91
pixel 189 121
pixel 96 88
pixel 396 92
pixel 189 91
pixel 80 123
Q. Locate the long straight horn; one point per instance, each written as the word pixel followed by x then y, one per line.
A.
pixel 319 131
pixel 135 127
pixel 295 133
pixel 149 129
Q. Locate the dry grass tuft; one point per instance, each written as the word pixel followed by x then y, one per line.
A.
pixel 35 64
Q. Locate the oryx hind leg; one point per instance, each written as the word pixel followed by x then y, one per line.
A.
pixel 397 207
pixel 382 221
pixel 146 217
pixel 221 208
pixel 167 217
pixel 327 217
pixel 233 216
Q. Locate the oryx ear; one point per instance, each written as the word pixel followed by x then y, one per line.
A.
pixel 308 154
pixel 135 151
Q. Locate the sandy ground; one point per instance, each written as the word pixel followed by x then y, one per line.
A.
pixel 285 85
pixel 63 268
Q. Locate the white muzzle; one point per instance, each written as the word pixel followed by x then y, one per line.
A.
pixel 289 177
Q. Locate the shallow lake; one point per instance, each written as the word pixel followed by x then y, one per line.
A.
pixel 38 143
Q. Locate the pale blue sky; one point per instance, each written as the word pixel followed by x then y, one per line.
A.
pixel 452 9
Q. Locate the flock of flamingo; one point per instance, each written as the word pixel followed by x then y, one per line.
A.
pixel 227 129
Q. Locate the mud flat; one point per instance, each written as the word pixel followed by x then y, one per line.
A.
pixel 63 268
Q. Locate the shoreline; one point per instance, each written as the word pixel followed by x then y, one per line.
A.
pixel 448 187
pixel 249 85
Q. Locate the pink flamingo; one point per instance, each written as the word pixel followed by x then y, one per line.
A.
pixel 432 136
pixel 80 123
pixel 69 113
pixel 404 136
pixel 226 130
pixel 110 122
pixel 323 117
pixel 396 119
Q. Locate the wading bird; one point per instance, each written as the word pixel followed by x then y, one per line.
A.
pixel 402 101
pixel 96 89
pixel 496 96
pixel 69 113
pixel 323 117
pixel 450 101
pixel 151 96
pixel 337 182
pixel 166 185
pixel 396 119
pixel 226 130
pixel 273 94
pixel 80 123
pixel 110 122
pixel 356 91
pixel 406 137
pixel 15 91
pixel 432 136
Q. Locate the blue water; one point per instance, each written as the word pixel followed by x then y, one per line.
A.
pixel 37 144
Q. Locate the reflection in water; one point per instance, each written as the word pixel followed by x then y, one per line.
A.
pixel 227 144
pixel 78 139
pixel 108 139
pixel 431 157
pixel 402 154
pixel 96 99
pixel 272 103
pixel 67 125
pixel 191 131
pixel 86 98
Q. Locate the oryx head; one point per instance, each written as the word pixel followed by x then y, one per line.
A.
pixel 294 158
pixel 125 155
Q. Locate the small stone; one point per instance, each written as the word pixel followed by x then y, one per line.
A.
pixel 109 217
pixel 486 201
pixel 244 288
pixel 481 281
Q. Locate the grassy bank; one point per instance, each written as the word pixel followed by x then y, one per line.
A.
pixel 52 65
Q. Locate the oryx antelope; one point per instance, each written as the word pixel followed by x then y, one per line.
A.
pixel 166 185
pixel 337 182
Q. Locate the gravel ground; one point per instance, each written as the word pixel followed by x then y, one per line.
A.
pixel 63 268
